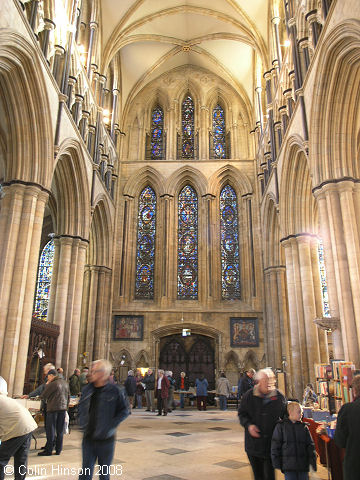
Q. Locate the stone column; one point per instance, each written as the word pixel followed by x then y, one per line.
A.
pixel 73 356
pixel 342 271
pixel 84 124
pixel 77 110
pixel 114 113
pixel 309 307
pixel 60 307
pixel 258 91
pixel 319 311
pixel 21 217
pixel 49 25
pixel 91 310
pixel 330 270
pixel 295 359
pixel 101 315
pixel 275 21
pixel 93 28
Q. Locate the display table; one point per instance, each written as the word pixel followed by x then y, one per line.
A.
pixel 329 453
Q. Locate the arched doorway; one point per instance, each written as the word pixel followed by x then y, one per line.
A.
pixel 194 355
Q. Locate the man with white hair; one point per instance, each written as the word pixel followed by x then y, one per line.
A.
pixel 259 411
pixel 102 408
pixel 16 427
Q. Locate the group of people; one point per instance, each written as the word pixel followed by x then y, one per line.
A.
pixel 102 407
pixel 275 436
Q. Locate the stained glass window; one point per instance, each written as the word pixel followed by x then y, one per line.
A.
pixel 229 235
pixel 188 244
pixel 157 133
pixel 145 252
pixel 324 290
pixel 44 281
pixel 218 120
pixel 188 124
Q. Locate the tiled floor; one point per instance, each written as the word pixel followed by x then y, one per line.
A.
pixel 167 449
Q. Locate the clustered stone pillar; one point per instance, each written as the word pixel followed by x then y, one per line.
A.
pixel 308 344
pixel 21 217
pixel 339 207
pixel 65 301
pixel 96 311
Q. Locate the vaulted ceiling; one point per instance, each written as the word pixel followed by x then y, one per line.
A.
pixel 154 36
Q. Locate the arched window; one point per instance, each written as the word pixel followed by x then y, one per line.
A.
pixel 324 290
pixel 219 134
pixel 188 244
pixel 188 126
pixel 44 281
pixel 157 133
pixel 145 251
pixel 229 237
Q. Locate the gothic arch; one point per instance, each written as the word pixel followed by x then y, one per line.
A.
pixel 26 110
pixel 143 177
pixel 230 357
pixel 234 177
pixel 187 174
pixel 101 235
pixel 297 203
pixel 142 353
pixel 336 105
pixel 273 253
pixel 71 189
pixel 251 360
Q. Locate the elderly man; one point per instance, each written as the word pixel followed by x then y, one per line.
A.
pixel 149 381
pixel 347 433
pixel 259 411
pixel 56 395
pixel 16 427
pixel 102 408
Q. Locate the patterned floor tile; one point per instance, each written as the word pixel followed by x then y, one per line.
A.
pixel 127 440
pixel 233 464
pixel 178 434
pixel 173 451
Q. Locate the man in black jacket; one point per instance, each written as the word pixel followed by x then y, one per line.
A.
pixel 347 433
pixel 259 411
pixel 246 382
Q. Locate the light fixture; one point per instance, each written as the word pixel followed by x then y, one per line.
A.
pixel 287 43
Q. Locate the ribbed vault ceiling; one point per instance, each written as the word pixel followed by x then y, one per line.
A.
pixel 154 36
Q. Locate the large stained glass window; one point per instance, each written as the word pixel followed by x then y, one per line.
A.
pixel 188 125
pixel 219 142
pixel 157 133
pixel 44 281
pixel 145 252
pixel 324 290
pixel 229 237
pixel 188 244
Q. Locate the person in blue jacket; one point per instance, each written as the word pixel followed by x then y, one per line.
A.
pixel 201 385
pixel 102 407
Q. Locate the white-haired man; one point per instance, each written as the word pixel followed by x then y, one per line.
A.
pixel 259 411
pixel 102 407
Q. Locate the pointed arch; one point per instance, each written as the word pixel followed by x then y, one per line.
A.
pixel 232 175
pixel 101 234
pixel 27 112
pixel 187 174
pixel 71 190
pixel 297 213
pixel 143 177
pixel 336 105
pixel 273 253
pixel 142 354
pixel 187 148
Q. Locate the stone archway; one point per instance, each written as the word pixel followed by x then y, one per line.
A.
pixel 194 354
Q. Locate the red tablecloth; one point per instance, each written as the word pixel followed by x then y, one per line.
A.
pixel 329 453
